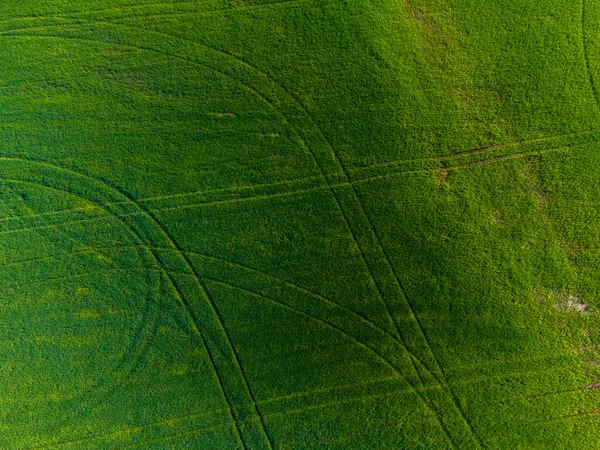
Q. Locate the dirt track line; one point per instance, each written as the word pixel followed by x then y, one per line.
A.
pixel 435 162
pixel 416 390
pixel 414 360
pixel 229 189
pixel 316 128
pixel 99 216
pixel 199 328
pixel 108 216
pixel 345 437
pixel 436 158
pixel 262 196
pixel 213 307
pixel 55 225
pixel 359 398
pixel 46 213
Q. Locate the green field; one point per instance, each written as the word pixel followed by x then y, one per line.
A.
pixel 303 224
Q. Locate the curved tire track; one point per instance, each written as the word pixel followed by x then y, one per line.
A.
pixel 586 56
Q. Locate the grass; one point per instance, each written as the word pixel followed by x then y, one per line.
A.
pixel 299 224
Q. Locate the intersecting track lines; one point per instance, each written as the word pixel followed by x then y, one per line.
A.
pixel 326 162
pixel 332 170
pixel 319 308
pixel 378 265
pixel 198 304
pixel 267 286
pixel 134 350
pixel 362 231
pixel 348 201
pixel 287 411
pixel 297 187
pixel 333 310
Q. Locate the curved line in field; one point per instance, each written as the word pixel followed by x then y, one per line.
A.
pixel 175 247
pixel 372 325
pixel 132 231
pixel 272 80
pixel 307 115
pixel 587 56
pixel 414 389
pixel 254 91
pixel 293 286
pixel 322 321
pixel 145 325
pixel 396 369
pixel 101 216
pixel 337 162
pixel 266 196
pixel 433 158
pixel 236 189
pixel 325 175
pixel 133 352
pixel 316 406
pixel 84 15
pixel 348 179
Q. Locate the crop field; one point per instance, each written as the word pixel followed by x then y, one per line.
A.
pixel 300 224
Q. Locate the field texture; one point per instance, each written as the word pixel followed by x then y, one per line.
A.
pixel 304 224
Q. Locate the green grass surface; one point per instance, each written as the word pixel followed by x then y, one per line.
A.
pixel 308 224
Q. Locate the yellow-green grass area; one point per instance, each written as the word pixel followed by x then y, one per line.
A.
pixel 304 224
